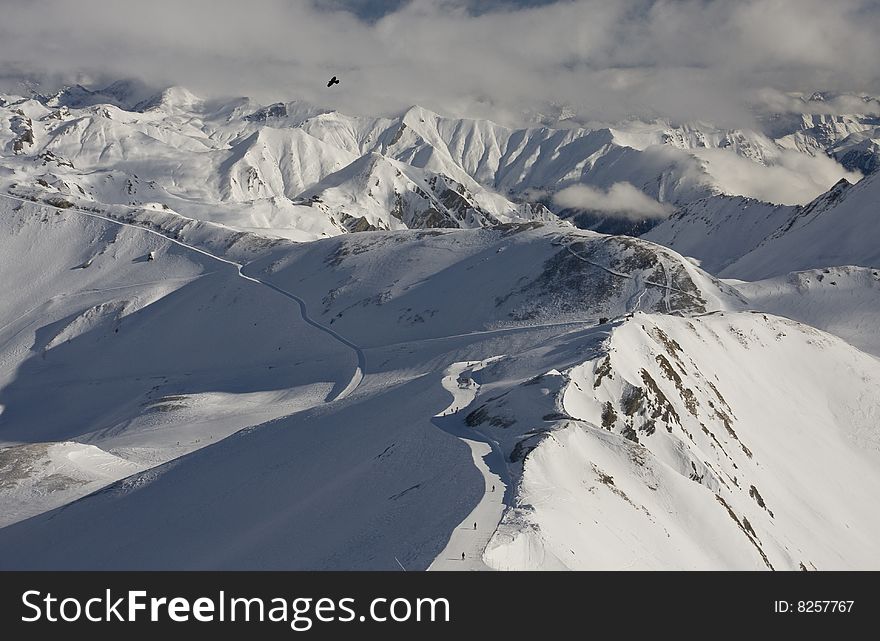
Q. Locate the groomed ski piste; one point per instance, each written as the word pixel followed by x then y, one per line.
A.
pixel 465 548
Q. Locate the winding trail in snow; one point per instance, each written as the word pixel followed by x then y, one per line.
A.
pixel 350 386
pixel 464 550
pixel 666 286
pixel 634 303
pixel 361 368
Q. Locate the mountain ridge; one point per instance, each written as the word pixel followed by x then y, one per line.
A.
pixel 252 166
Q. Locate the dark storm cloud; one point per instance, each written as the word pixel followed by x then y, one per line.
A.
pixel 505 59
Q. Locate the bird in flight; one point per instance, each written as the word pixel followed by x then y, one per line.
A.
pixel 333 81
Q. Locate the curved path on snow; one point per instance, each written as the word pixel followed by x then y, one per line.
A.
pixel 358 374
pixel 667 286
pixel 489 461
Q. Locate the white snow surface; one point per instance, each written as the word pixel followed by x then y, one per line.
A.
pixel 41 476
pixel 260 446
pixel 844 301
pixel 464 551
pixel 749 240
pixel 195 395
pixel 763 454
pixel 837 229
pixel 299 171
pixel 719 230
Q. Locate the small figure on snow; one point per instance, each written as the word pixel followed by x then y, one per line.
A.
pixel 462 556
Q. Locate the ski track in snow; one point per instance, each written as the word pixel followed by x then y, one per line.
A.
pixel 668 287
pixel 358 374
pixel 634 303
pixel 487 514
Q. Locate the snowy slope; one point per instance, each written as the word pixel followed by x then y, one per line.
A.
pixel 838 228
pixel 253 168
pixel 375 192
pixel 728 441
pixel 40 476
pixel 136 351
pixel 752 240
pixel 683 446
pixel 429 284
pixel 817 133
pixel 515 161
pixel 859 151
pixel 844 301
pixel 197 396
pixel 719 230
pixel 354 482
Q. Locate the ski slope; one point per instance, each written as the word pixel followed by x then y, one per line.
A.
pixel 322 479
pixel 103 338
pixel 164 405
pixel 465 548
pixel 358 374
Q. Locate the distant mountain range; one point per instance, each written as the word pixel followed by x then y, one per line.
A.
pixel 303 172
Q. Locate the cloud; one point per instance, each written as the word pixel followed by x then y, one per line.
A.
pixel 788 177
pixel 683 59
pixel 791 179
pixel 622 200
pixel 777 102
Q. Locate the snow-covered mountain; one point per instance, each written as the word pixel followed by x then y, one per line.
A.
pixel 721 229
pixel 750 240
pixel 700 443
pixel 303 172
pixel 185 383
pixel 844 301
pixel 852 140
pixel 838 228
pixel 614 380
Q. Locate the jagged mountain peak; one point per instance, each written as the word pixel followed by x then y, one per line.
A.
pixel 499 166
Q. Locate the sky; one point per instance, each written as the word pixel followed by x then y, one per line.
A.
pixel 514 61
